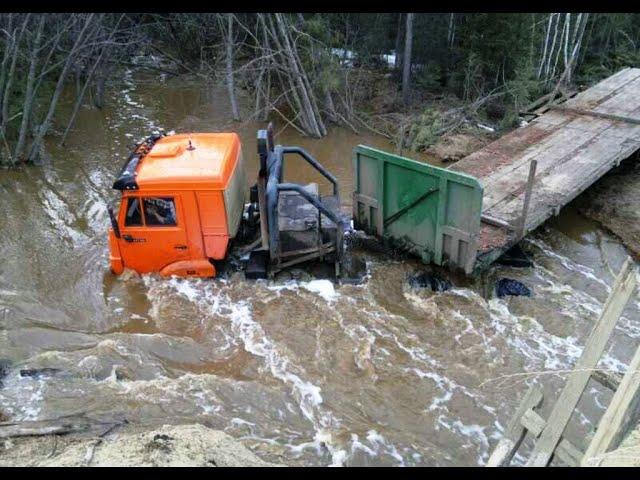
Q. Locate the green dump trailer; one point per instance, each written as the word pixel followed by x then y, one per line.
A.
pixel 429 211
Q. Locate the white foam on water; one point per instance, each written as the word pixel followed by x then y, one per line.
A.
pixel 215 301
pixel 446 385
pixel 356 444
pixel 377 440
pixel 578 304
pixel 474 433
pixel 470 329
pixel 426 367
pixel 427 305
pixel 60 217
pixel 241 421
pixel 533 341
pixel 568 263
pixel 362 338
pixel 187 289
pixel 324 288
pixel 595 394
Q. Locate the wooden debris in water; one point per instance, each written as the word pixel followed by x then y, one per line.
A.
pixel 549 433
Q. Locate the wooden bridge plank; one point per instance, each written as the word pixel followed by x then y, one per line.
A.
pixel 613 421
pixel 604 149
pixel 515 431
pixel 622 102
pixel 572 151
pixel 558 186
pixel 624 286
pixel 605 89
pixel 566 451
pixel 559 147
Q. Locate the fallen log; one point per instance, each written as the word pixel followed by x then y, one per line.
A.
pixel 57 426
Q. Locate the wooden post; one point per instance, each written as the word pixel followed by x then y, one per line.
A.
pixel 515 432
pixel 527 197
pixel 623 287
pixel 612 423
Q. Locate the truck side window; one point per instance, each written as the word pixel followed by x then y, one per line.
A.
pixel 133 217
pixel 159 211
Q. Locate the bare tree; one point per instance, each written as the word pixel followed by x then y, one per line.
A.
pixel 229 51
pixel 103 48
pixel 28 96
pixel 8 34
pixel 43 128
pixel 14 45
pixel 406 67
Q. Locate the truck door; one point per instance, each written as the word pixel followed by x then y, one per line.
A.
pixel 153 232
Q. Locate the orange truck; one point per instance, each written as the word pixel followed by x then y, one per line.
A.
pixel 185 202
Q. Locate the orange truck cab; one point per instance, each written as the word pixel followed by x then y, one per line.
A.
pixel 182 200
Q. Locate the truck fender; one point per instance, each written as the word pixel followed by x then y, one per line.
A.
pixel 189 268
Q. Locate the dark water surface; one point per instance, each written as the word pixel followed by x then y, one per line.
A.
pixel 303 372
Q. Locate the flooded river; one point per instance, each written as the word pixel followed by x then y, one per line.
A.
pixel 303 371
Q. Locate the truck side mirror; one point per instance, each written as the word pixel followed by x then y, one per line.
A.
pixel 114 222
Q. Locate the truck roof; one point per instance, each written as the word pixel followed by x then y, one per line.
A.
pixel 190 160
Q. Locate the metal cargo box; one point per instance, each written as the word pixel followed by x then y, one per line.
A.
pixel 432 212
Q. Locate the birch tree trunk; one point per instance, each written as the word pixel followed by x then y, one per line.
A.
pixel 553 46
pixel 452 30
pixel 546 44
pixel 406 67
pixel 397 61
pixel 581 25
pixel 560 49
pixel 567 28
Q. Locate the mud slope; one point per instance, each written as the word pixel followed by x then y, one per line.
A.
pixel 180 445
pixel 614 202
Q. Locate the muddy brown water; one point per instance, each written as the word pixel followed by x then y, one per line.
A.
pixel 304 371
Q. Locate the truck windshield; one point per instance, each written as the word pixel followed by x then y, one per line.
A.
pixel 159 211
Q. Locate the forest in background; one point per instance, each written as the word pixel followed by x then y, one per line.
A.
pixel 409 76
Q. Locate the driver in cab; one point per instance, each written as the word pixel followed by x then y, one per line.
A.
pixel 160 215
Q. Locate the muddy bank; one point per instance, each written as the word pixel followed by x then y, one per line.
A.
pixel 614 202
pixel 454 147
pixel 168 446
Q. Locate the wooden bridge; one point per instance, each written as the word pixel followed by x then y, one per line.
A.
pixel 468 215
pixel 529 174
